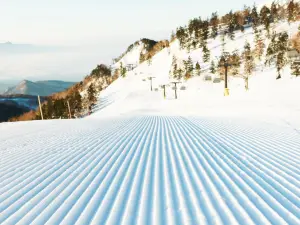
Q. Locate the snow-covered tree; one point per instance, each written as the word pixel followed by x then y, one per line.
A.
pixel 259 45
pixel 265 17
pixel 182 36
pixel 295 68
pixel 212 67
pixel 248 64
pixel 223 42
pixel 206 54
pixel 91 94
pixel 291 11
pixel 198 69
pixel 214 21
pixel 254 17
pixel 123 70
pixel 274 11
pixel 235 60
pixel 190 66
pixel 276 51
pixel 231 25
pixel 174 69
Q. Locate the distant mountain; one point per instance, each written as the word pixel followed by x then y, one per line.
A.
pixel 5 84
pixel 42 88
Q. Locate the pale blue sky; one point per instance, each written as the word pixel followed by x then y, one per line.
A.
pixel 97 30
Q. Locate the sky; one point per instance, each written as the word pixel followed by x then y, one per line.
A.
pixel 65 39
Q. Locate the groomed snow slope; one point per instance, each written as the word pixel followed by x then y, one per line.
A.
pixel 149 170
pixel 143 159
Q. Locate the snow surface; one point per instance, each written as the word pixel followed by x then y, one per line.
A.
pixel 142 159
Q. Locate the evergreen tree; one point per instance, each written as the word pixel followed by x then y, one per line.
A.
pixel 291 11
pixel 295 68
pixel 223 42
pixel 254 17
pixel 259 45
pixel 76 102
pixel 206 54
pixel 198 69
pixel 248 64
pixel 49 108
pixel 59 108
pixel 265 15
pixel 179 74
pixel 214 25
pixel 247 14
pixel 276 51
pixel 123 70
pixel 91 94
pixel 274 11
pixel 182 36
pixel 212 67
pixel 173 72
pixel 235 61
pixel 204 31
pixel 231 25
pixel 190 66
pixel 101 71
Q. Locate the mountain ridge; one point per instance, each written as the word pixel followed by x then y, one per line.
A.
pixel 43 88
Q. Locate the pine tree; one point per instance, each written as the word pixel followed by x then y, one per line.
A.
pixel 265 15
pixel 190 66
pixel 91 94
pixel 123 70
pixel 182 36
pixel 276 51
pixel 231 25
pixel 76 102
pixel 198 69
pixel 254 17
pixel 214 25
pixel 47 109
pixel 206 54
pixel 212 67
pixel 179 74
pixel 247 14
pixel 291 11
pixel 248 64
pixel 60 108
pixel 235 60
pixel 295 68
pixel 259 45
pixel 274 11
pixel 223 42
pixel 173 72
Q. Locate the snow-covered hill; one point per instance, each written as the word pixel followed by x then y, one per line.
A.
pixel 132 55
pixel 141 158
pixel 43 88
